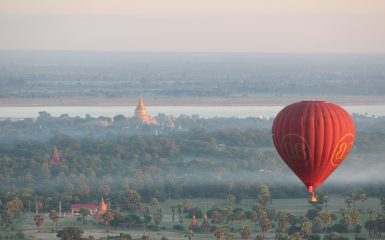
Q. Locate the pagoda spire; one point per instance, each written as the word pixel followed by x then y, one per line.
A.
pixel 205 225
pixel 56 155
pixel 193 224
pixel 141 114
pixel 103 207
pixel 141 103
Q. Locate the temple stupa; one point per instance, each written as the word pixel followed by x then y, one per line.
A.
pixel 103 207
pixel 142 115
pixel 56 159
pixel 193 224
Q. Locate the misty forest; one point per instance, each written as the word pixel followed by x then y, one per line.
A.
pixel 186 177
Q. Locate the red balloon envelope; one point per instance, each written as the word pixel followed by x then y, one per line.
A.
pixel 313 138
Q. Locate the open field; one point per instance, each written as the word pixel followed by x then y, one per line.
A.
pixel 298 207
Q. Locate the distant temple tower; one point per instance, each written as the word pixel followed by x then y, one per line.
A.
pixel 141 114
pixel 56 160
pixel 193 224
pixel 103 207
pixel 205 225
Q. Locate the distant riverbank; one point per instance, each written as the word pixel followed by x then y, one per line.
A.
pixel 250 100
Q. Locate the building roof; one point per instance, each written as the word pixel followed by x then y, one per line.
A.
pixel 88 206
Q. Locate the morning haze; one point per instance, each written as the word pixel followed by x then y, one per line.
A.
pixel 166 119
pixel 189 26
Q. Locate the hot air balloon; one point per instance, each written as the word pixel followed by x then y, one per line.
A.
pixel 313 138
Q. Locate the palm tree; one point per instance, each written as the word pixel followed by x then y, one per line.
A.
pixel 158 216
pixel 84 212
pixel 7 216
pixel 255 221
pixel 362 199
pixel 231 236
pixel 264 194
pixel 189 234
pixel 145 236
pixel 154 202
pixel 380 224
pixel 266 226
pixel 54 216
pixel 317 223
pixel 239 215
pixel 226 212
pixel 231 199
pixel 259 237
pixel 348 202
pixel 218 233
pixel 283 221
pixel 245 232
pixel 107 217
pixel 228 234
pixel 344 211
pixel 382 201
pixel 354 198
pixel 295 236
pixel 355 219
pixel 326 201
pixel 306 228
pixel 280 236
pixel 179 211
pixel 370 212
pixel 173 213
pixel 216 217
pixel 39 221
pixel 326 218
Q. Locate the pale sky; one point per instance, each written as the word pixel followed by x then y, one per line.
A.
pixel 294 26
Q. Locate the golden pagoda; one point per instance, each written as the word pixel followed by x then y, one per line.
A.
pixel 141 114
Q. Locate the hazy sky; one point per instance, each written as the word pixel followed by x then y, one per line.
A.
pixel 194 25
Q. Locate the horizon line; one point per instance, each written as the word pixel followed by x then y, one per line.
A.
pixel 189 52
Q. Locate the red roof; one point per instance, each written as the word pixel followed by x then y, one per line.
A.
pixel 84 205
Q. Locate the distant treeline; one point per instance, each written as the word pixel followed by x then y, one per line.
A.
pixel 189 162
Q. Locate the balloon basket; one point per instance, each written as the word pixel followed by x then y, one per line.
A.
pixel 313 199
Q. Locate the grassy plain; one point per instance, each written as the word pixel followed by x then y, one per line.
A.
pixel 298 207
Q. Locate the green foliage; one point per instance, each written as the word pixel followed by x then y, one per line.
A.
pixel 195 211
pixel 335 236
pixel 39 221
pixel 311 214
pixel 178 227
pixel 153 227
pixel 245 232
pixel 70 233
pixel 339 228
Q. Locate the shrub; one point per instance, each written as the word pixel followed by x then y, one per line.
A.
pixel 178 227
pixel 340 228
